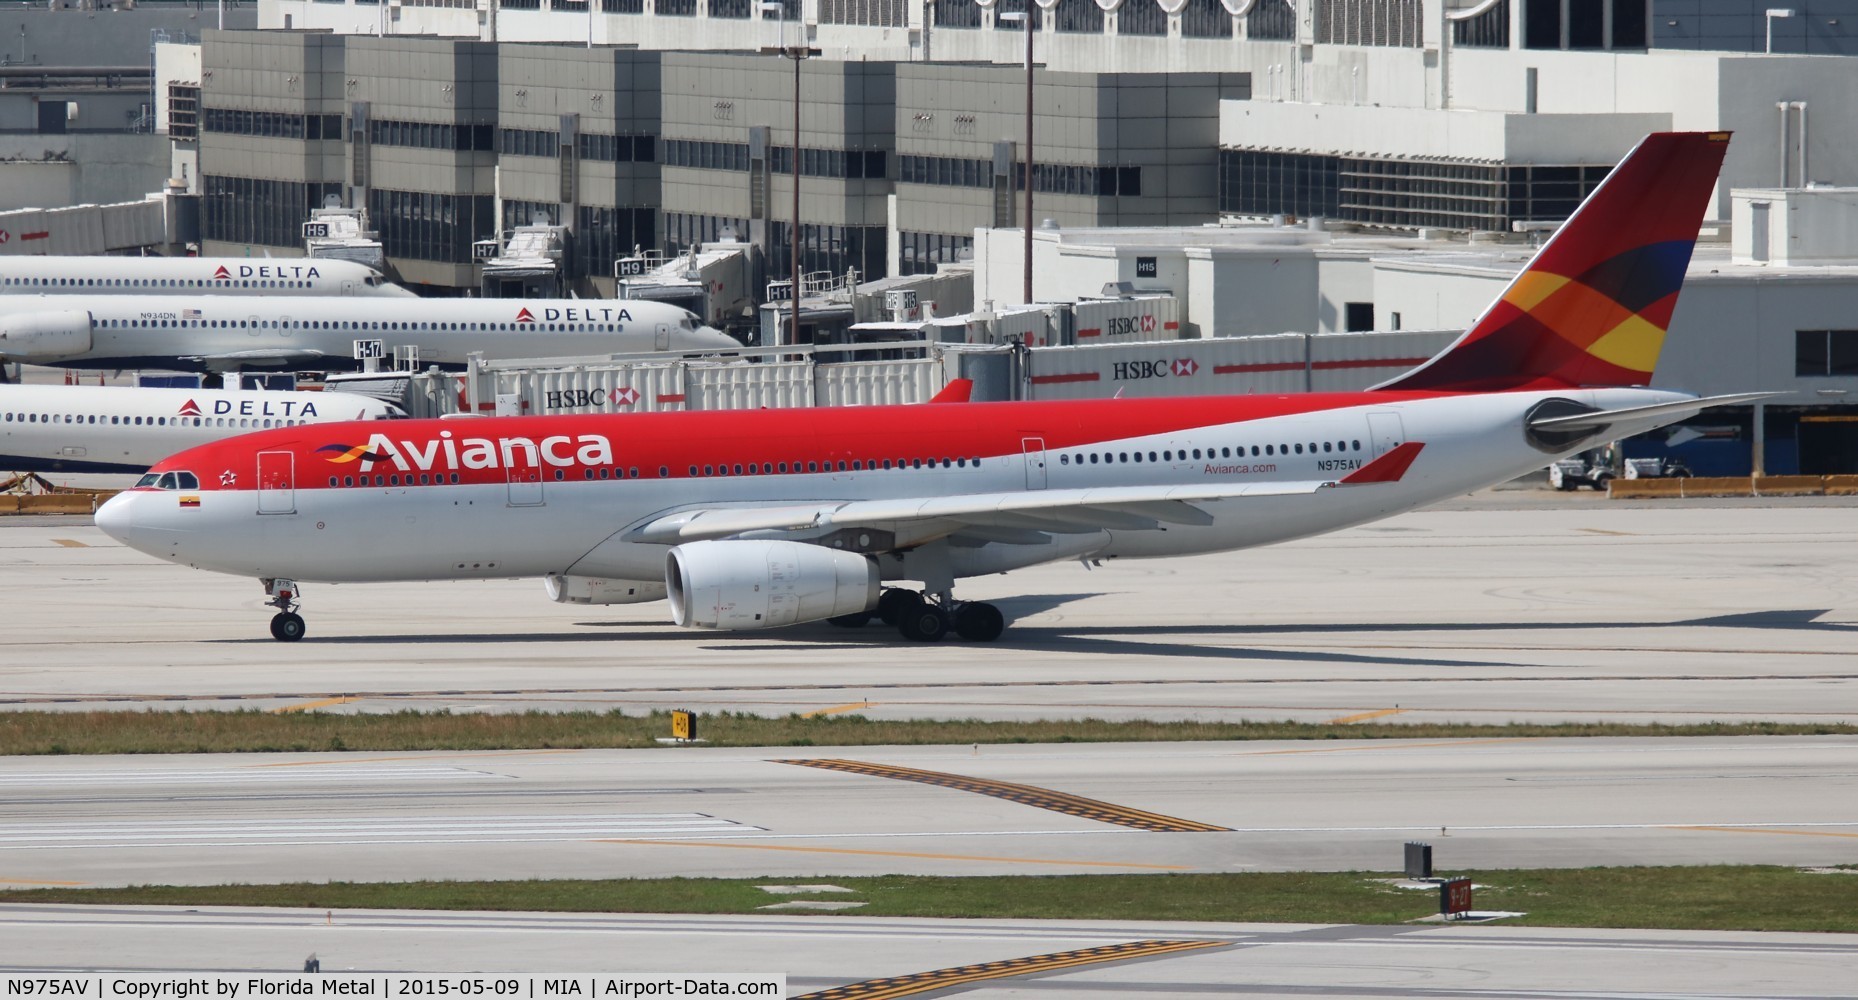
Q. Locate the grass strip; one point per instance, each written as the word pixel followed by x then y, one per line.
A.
pixel 1723 897
pixel 252 731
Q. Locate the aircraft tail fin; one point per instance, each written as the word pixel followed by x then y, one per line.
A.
pixel 1591 309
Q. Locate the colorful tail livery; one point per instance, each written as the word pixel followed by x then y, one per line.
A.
pixel 1592 308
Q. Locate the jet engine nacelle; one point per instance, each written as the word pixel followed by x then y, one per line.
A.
pixel 599 590
pixel 762 584
pixel 52 335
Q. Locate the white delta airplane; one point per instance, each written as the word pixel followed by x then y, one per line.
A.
pixel 174 275
pixel 118 428
pixel 213 333
pixel 756 519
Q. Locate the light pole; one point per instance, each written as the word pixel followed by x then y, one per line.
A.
pixel 1026 17
pixel 1772 13
pixel 796 53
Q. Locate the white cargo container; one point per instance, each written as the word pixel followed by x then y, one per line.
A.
pixel 877 383
pixel 1124 320
pixel 1226 366
pixel 1350 362
pixel 743 386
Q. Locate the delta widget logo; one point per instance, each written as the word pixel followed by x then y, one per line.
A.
pixel 190 409
pixel 342 454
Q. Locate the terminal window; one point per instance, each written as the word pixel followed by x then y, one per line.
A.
pixel 1825 352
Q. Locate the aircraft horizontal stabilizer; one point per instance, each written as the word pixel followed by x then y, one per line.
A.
pixel 1606 418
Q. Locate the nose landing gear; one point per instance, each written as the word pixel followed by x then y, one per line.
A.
pixel 286 625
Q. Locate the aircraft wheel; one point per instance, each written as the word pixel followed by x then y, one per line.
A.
pixel 925 624
pixel 857 619
pixel 978 622
pixel 287 626
pixel 895 603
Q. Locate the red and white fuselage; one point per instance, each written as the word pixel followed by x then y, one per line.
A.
pixel 564 496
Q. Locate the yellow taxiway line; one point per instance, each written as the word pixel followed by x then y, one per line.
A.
pixel 901 854
pixel 940 979
pixel 836 709
pixel 1365 716
pixel 304 706
pixel 1025 795
pixel 5 880
pixel 1751 829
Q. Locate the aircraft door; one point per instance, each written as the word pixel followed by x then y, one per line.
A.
pixel 662 340
pixel 348 288
pixel 1385 433
pixel 277 482
pixel 1034 449
pixel 525 486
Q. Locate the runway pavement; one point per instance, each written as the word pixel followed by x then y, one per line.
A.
pixel 986 810
pixel 1509 605
pixel 820 953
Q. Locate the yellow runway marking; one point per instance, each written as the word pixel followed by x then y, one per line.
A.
pixel 901 854
pixel 1026 795
pixel 1365 716
pixel 429 756
pixel 1603 531
pixel 71 543
pixel 4 880
pixel 940 979
pixel 307 705
pixel 836 709
pixel 1390 745
pixel 1750 829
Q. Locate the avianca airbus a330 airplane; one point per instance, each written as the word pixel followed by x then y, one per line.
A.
pixel 762 518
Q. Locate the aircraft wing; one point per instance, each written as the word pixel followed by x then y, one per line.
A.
pixel 270 357
pixel 1002 515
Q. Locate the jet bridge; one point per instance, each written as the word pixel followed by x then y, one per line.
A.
pixel 527 264
pixel 337 233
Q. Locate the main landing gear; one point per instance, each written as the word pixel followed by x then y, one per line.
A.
pixel 287 624
pixel 923 618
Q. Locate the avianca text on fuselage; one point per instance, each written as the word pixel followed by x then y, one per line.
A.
pixel 574 314
pixel 561 451
pixel 295 271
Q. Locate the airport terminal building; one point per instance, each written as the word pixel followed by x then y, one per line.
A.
pixel 658 124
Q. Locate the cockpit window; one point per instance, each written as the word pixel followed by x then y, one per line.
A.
pixel 170 481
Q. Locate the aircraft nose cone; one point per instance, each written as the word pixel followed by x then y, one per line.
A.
pixel 116 518
pixel 717 340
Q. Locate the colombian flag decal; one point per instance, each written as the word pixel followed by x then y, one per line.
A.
pixel 345 453
pixel 189 500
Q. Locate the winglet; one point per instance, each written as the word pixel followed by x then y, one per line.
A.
pixel 958 390
pixel 1389 468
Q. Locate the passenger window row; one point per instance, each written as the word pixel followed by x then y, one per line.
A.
pixel 155 283
pixel 252 423
pixel 1199 454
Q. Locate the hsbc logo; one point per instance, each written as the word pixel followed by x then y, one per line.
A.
pixel 568 399
pixel 1130 371
pixel 624 396
pixel 1128 326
